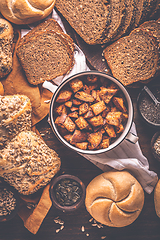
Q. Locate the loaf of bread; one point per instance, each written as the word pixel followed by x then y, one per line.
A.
pixel 45 56
pixel 114 198
pixel 133 58
pixel 26 11
pixel 157 199
pixel 6 40
pixel 15 116
pixel 27 163
pixel 1 89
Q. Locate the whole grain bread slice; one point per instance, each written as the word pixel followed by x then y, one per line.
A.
pixel 133 58
pixel 137 12
pixel 45 56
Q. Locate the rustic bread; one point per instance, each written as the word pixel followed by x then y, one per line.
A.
pixel 89 18
pixel 157 199
pixel 25 12
pixel 27 163
pixel 114 198
pixel 15 116
pixel 133 58
pixel 137 12
pixel 45 56
pixel 6 40
pixel 1 89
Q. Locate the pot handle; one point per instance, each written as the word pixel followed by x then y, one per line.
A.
pixel 50 86
pixel 131 137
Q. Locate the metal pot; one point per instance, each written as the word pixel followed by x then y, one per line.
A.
pixel 126 134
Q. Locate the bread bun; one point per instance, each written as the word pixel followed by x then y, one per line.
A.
pixel 157 198
pixel 26 11
pixel 6 40
pixel 1 89
pixel 114 198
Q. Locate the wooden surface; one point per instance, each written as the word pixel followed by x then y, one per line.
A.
pixel 147 226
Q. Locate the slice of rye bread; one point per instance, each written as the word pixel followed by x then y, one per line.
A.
pixel 49 24
pixel 89 18
pixel 45 56
pixel 133 58
pixel 148 5
pixel 126 19
pixel 117 12
pixel 137 12
pixel 156 10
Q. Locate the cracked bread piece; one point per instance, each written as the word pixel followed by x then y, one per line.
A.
pixel 133 58
pixel 15 116
pixel 45 56
pixel 27 163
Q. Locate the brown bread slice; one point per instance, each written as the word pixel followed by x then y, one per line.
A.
pixel 148 5
pixel 126 19
pixel 133 58
pixel 90 19
pixel 137 12
pixel 45 56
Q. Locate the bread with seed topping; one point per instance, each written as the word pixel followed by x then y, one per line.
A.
pixel 27 163
pixel 133 58
pixel 15 116
pixel 45 56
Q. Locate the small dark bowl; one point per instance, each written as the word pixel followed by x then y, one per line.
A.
pixel 53 197
pixel 13 213
pixel 153 140
pixel 140 98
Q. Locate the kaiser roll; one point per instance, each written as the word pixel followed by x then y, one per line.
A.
pixel 114 198
pixel 26 11
pixel 157 198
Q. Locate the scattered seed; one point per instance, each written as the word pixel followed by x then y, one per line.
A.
pixel 103 237
pixel 57 230
pixel 87 234
pixel 82 229
pixel 47 101
pixel 90 220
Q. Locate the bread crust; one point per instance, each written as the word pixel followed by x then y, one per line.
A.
pixel 26 11
pixel 157 199
pixel 114 198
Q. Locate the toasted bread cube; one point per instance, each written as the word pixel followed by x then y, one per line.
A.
pixel 119 103
pixel 106 94
pixel 83 108
pixel 120 129
pixel 96 121
pixel 69 124
pixel 68 104
pixel 82 145
pixel 73 114
pixel 76 85
pixel 82 123
pixel 60 120
pixel 76 102
pixel 78 137
pixel 110 130
pixel 94 139
pixel 124 117
pixel 98 107
pixel 114 118
pixel 73 109
pixel 64 96
pixel 61 109
pixel 85 97
pixel 89 114
pixel 95 94
pixel 105 112
pixel 92 78
pixel 86 89
pixel 105 143
pixel 67 137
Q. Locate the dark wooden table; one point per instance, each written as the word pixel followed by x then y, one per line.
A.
pixel 147 226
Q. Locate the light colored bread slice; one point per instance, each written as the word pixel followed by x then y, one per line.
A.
pixel 133 58
pixel 45 56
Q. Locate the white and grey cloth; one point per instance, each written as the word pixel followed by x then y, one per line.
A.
pixel 126 155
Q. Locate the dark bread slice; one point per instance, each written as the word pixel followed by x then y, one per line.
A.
pixel 137 12
pixel 133 58
pixel 156 10
pixel 117 11
pixel 49 24
pixel 126 19
pixel 89 18
pixel 148 5
pixel 45 56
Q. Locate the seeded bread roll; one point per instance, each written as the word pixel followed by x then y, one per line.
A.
pixel 157 199
pixel 15 116
pixel 26 11
pixel 6 40
pixel 114 198
pixel 27 163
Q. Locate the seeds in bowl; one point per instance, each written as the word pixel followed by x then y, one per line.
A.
pixel 90 112
pixel 7 202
